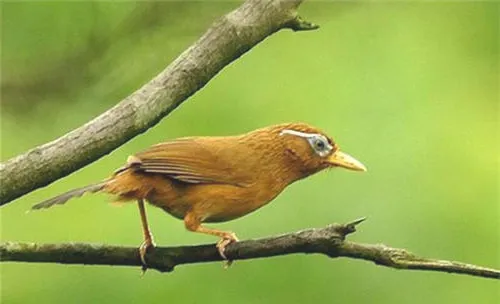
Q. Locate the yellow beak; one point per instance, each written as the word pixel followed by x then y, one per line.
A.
pixel 344 160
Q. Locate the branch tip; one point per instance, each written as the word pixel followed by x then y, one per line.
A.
pixel 350 227
pixel 299 24
pixel 357 222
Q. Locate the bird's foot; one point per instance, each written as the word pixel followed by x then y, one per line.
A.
pixel 148 243
pixel 229 238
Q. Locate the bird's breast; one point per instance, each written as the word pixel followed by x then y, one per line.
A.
pixel 219 203
pixel 212 202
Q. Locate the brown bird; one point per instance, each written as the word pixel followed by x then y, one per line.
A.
pixel 217 179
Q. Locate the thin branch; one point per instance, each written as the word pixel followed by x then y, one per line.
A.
pixel 225 41
pixel 329 241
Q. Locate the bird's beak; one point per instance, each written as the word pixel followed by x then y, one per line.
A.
pixel 344 160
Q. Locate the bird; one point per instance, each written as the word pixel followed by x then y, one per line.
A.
pixel 215 179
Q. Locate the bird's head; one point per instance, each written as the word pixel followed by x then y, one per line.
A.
pixel 311 150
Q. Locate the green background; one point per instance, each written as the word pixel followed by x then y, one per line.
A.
pixel 408 88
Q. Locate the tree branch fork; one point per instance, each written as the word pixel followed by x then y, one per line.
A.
pixel 330 241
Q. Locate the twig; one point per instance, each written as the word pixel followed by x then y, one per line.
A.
pixel 225 41
pixel 329 241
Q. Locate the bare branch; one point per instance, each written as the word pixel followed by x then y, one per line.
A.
pixel 226 40
pixel 329 241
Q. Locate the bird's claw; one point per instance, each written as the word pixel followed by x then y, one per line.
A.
pixel 148 243
pixel 221 247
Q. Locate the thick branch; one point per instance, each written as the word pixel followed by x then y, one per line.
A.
pixel 329 241
pixel 226 40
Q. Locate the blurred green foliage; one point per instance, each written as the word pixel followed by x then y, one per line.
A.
pixel 409 88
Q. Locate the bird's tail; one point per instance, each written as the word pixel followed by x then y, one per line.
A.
pixel 63 198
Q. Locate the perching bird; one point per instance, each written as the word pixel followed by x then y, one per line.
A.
pixel 217 179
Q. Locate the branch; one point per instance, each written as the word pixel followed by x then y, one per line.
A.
pixel 226 40
pixel 329 241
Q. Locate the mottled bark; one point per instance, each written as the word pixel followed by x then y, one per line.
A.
pixel 329 241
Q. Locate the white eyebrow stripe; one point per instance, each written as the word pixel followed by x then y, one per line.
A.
pixel 300 134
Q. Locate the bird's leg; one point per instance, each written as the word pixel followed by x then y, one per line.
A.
pixel 148 237
pixel 193 223
pixel 226 238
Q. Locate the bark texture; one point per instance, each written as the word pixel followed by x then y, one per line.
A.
pixel 329 241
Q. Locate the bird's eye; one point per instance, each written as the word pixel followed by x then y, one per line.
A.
pixel 320 145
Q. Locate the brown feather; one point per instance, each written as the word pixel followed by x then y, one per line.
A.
pixel 193 160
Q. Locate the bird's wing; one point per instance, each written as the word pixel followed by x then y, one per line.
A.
pixel 193 160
